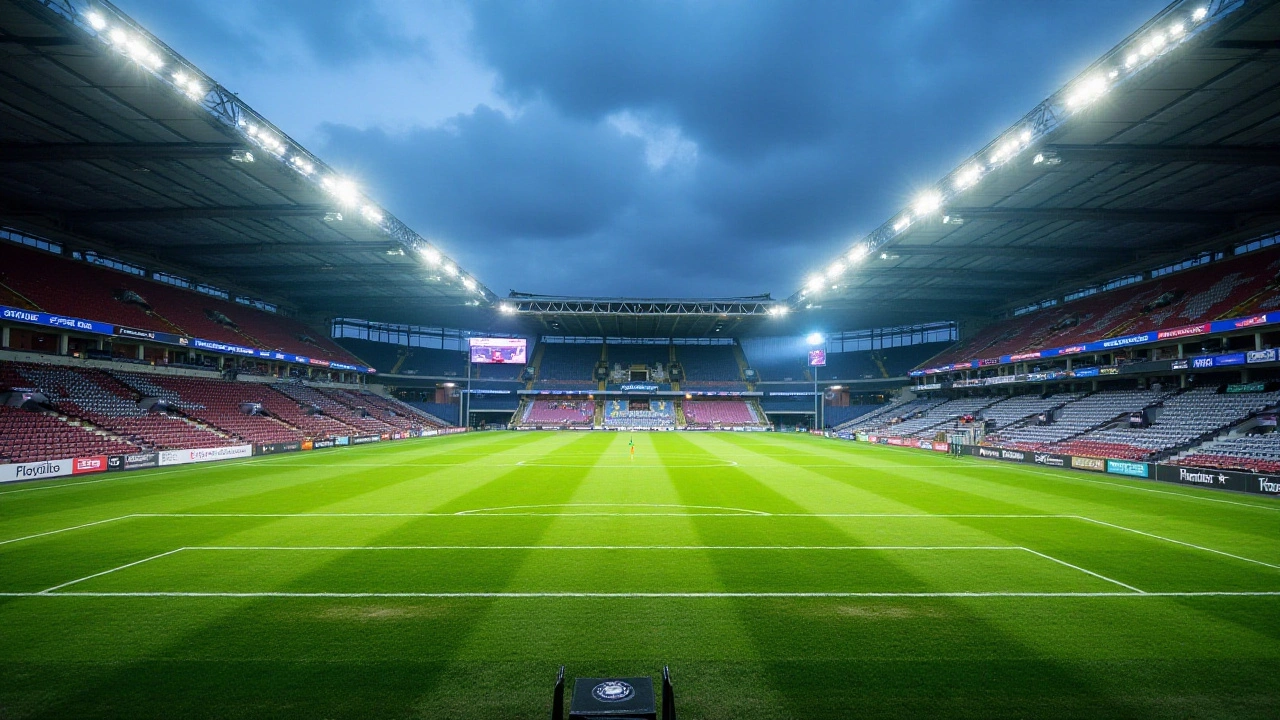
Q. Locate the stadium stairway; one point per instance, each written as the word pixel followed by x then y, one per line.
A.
pixel 681 423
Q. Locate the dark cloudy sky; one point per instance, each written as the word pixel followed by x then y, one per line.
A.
pixel 642 148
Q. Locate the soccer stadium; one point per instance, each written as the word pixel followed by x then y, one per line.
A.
pixel 1010 449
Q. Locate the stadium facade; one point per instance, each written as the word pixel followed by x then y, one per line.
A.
pixel 1098 288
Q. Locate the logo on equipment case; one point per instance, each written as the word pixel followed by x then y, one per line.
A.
pixel 613 691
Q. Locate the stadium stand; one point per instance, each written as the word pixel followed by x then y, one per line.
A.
pixel 1229 288
pixel 30 436
pixel 1249 453
pixel 567 366
pixel 710 366
pixel 1022 407
pixel 720 414
pixel 559 413
pixel 100 399
pixel 79 289
pixel 661 414
pixel 852 366
pixel 934 418
pixel 892 413
pixel 1183 419
pixel 447 413
pixel 838 415
pixel 1078 417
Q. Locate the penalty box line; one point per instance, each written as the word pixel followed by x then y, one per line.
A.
pixel 819 548
pixel 642 515
pixel 654 595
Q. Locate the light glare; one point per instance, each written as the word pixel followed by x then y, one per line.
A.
pixel 927 203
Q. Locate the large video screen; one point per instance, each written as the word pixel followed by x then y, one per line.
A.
pixel 493 351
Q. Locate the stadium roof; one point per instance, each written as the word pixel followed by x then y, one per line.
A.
pixel 112 141
pixel 642 317
pixel 1167 146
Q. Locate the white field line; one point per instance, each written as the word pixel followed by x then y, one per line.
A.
pixel 1077 567
pixel 656 595
pixel 809 548
pixel 643 505
pixel 108 572
pixel 62 530
pixel 641 515
pixel 343 548
pixel 1183 495
pixel 1177 542
pixel 1078 475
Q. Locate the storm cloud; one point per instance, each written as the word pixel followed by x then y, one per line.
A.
pixel 644 149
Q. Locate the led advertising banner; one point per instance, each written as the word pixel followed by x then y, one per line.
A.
pixel 54 321
pixel 817 358
pixel 498 351
pixel 1217 326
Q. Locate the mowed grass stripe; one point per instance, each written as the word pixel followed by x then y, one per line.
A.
pixel 349 653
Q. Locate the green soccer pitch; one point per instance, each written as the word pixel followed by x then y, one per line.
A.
pixel 779 577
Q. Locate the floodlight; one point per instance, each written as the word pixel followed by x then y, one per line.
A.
pixel 835 269
pixel 815 283
pixel 1088 91
pixel 901 224
pixel 341 188
pixel 1176 30
pixel 96 21
pixel 928 202
pixel 1131 60
pixel 118 37
pixel 815 339
pixel 858 252
pixel 507 308
pixel 1025 136
pixel 468 283
pixel 371 214
pixel 450 270
pixel 430 254
pixel 1199 14
pixel 968 176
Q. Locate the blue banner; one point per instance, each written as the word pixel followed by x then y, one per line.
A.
pixel 61 322
pixel 1126 467
pixel 1109 344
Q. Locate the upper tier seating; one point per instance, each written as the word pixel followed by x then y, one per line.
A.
pixel 719 413
pixel 567 365
pixel 1229 288
pixel 850 366
pixel 709 366
pixel 79 289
